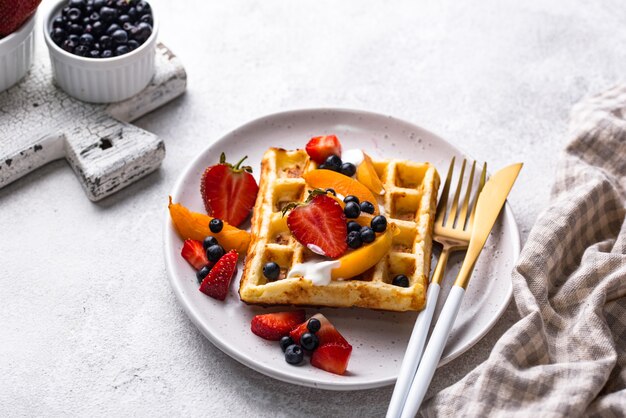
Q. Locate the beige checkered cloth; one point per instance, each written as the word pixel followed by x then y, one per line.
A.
pixel 566 357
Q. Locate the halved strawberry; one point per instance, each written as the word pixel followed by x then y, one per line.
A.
pixel 321 147
pixel 327 333
pixel 228 191
pixel 13 14
pixel 194 253
pixel 332 357
pixel 320 225
pixel 274 326
pixel 216 283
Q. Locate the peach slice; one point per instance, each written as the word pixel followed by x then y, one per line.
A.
pixel 323 179
pixel 194 225
pixel 366 174
pixel 366 257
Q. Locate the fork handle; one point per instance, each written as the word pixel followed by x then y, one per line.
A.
pixel 414 352
pixel 432 354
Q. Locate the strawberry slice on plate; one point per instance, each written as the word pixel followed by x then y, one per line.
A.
pixel 319 225
pixel 321 147
pixel 326 334
pixel 216 283
pixel 229 191
pixel 274 326
pixel 332 357
pixel 194 253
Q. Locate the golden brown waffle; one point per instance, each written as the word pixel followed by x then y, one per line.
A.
pixel 409 202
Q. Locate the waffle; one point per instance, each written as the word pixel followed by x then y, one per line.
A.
pixel 409 202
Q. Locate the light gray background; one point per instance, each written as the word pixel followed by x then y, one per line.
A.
pixel 88 323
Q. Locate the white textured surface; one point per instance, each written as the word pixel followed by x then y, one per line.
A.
pixel 89 323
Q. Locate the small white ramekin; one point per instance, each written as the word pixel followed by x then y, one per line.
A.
pixel 16 54
pixel 101 80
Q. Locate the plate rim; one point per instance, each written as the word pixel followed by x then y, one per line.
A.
pixel 194 316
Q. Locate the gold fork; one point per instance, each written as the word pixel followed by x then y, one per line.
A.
pixel 452 230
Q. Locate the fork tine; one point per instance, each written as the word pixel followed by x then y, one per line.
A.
pixel 483 177
pixel 460 223
pixel 457 193
pixel 443 202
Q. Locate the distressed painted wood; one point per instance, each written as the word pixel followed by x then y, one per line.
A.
pixel 39 123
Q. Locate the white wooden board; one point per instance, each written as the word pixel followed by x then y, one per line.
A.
pixel 39 123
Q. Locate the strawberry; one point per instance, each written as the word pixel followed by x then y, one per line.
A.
pixel 319 225
pixel 194 253
pixel 216 283
pixel 228 191
pixel 332 357
pixel 13 14
pixel 274 326
pixel 321 147
pixel 327 334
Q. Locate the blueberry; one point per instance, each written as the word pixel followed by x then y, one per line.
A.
pixel 201 274
pixel 107 53
pixel 86 39
pixel 122 5
pixel 132 13
pixel 120 36
pixel 367 235
pixel 123 19
pixel 352 210
pixel 98 4
pixel 379 223
pixel 285 342
pixel 314 325
pixel 86 20
pixel 74 15
pixel 128 27
pixel 108 14
pixel 76 29
pixel 271 270
pixel 400 280
pixel 78 4
pixel 74 38
pixel 348 169
pixel 294 354
pixel 331 191
pixel 58 22
pixel 333 162
pixel 81 50
pixel 214 253
pixel 95 17
pixel 309 341
pixel 350 198
pixel 354 240
pixel 208 242
pixel 58 35
pixel 106 42
pixel 142 32
pixel 94 53
pixel 132 44
pixel 147 19
pixel 112 28
pixel 96 46
pixel 65 12
pixel 216 225
pixel 367 207
pixel 142 7
pixel 97 28
pixel 353 226
pixel 69 45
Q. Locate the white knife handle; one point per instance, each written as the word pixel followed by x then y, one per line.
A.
pixel 414 352
pixel 433 352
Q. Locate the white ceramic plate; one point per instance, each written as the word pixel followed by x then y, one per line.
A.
pixel 378 338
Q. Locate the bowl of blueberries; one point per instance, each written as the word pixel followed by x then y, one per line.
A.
pixel 102 51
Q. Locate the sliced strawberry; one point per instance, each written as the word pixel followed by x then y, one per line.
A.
pixel 216 283
pixel 228 191
pixel 332 357
pixel 321 147
pixel 274 326
pixel 194 253
pixel 320 225
pixel 327 334
pixel 13 14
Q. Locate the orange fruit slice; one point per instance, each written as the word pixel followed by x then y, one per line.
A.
pixel 366 257
pixel 366 174
pixel 323 179
pixel 193 225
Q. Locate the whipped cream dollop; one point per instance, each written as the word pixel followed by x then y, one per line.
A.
pixel 354 156
pixel 318 272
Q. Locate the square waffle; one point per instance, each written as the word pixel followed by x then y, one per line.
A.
pixel 409 202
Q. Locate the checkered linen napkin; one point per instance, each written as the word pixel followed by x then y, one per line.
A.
pixel 567 355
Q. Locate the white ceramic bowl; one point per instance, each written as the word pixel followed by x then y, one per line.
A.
pixel 101 80
pixel 16 54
